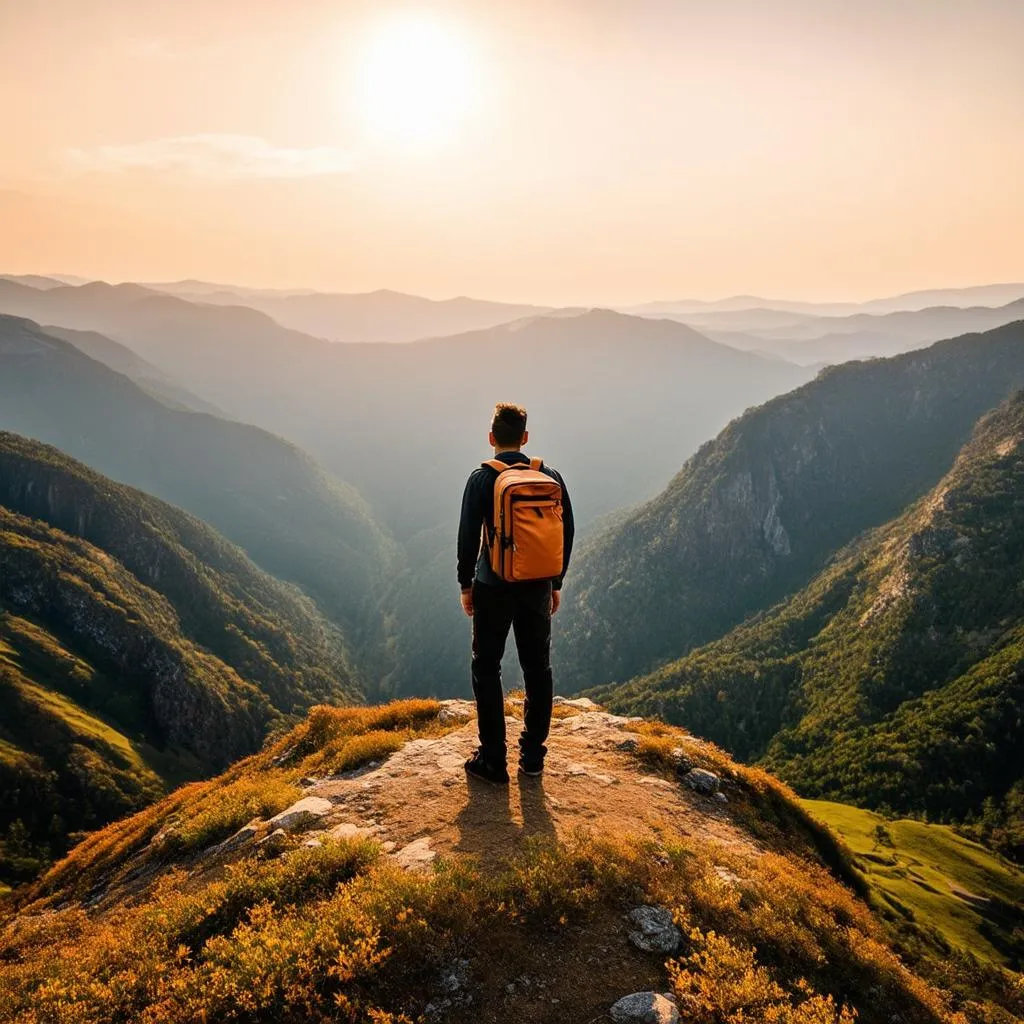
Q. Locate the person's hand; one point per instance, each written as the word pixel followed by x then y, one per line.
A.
pixel 556 600
pixel 467 602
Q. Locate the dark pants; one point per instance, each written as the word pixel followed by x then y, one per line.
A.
pixel 526 609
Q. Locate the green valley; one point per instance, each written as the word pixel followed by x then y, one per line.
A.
pixel 927 876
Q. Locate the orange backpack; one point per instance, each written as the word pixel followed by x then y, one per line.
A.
pixel 525 540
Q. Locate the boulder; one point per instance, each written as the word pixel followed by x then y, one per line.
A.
pixel 454 712
pixel 302 814
pixel 274 844
pixel 350 830
pixel 644 1008
pixel 654 930
pixel 417 856
pixel 581 703
pixel 702 781
pixel 245 835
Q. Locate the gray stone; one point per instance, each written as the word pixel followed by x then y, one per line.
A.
pixel 455 712
pixel 417 856
pixel 349 830
pixel 245 835
pixel 721 797
pixel 654 931
pixel 702 781
pixel 274 844
pixel 644 1008
pixel 581 703
pixel 302 814
pixel 628 745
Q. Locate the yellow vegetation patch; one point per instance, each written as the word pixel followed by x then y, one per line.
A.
pixel 339 934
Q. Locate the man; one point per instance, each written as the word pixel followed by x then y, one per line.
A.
pixel 496 604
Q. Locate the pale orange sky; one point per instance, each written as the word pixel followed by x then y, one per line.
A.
pixel 611 151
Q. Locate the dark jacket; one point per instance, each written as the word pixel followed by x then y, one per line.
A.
pixel 478 508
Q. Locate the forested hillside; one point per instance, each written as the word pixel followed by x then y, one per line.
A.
pixel 137 648
pixel 759 510
pixel 895 680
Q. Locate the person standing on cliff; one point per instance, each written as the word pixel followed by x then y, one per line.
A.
pixel 515 541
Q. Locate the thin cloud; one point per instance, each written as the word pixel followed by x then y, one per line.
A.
pixel 213 156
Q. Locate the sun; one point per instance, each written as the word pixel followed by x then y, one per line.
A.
pixel 418 81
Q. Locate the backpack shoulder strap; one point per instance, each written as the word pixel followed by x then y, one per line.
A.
pixel 496 464
pixel 536 465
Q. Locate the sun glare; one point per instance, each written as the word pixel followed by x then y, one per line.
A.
pixel 418 82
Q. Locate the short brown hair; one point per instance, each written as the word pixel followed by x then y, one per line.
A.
pixel 509 424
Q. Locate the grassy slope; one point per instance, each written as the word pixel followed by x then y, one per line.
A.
pixel 337 933
pixel 936 878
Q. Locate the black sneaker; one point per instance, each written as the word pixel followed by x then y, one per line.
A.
pixel 531 766
pixel 480 768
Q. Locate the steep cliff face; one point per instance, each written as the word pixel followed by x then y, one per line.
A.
pixel 755 513
pixel 896 678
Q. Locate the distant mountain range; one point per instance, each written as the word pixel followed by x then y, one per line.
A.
pixel 838 339
pixel 137 647
pixel 381 316
pixel 655 379
pixel 977 295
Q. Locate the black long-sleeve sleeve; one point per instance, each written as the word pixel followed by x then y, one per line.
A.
pixel 470 525
pixel 568 531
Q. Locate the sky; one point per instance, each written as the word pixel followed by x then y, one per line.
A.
pixel 591 152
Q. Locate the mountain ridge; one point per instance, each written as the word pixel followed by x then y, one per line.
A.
pixel 894 680
pixel 758 510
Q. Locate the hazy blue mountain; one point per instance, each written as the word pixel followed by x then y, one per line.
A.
pixel 266 495
pixel 663 386
pixel 122 359
pixel 756 512
pixel 977 295
pixel 380 316
pixel 33 280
